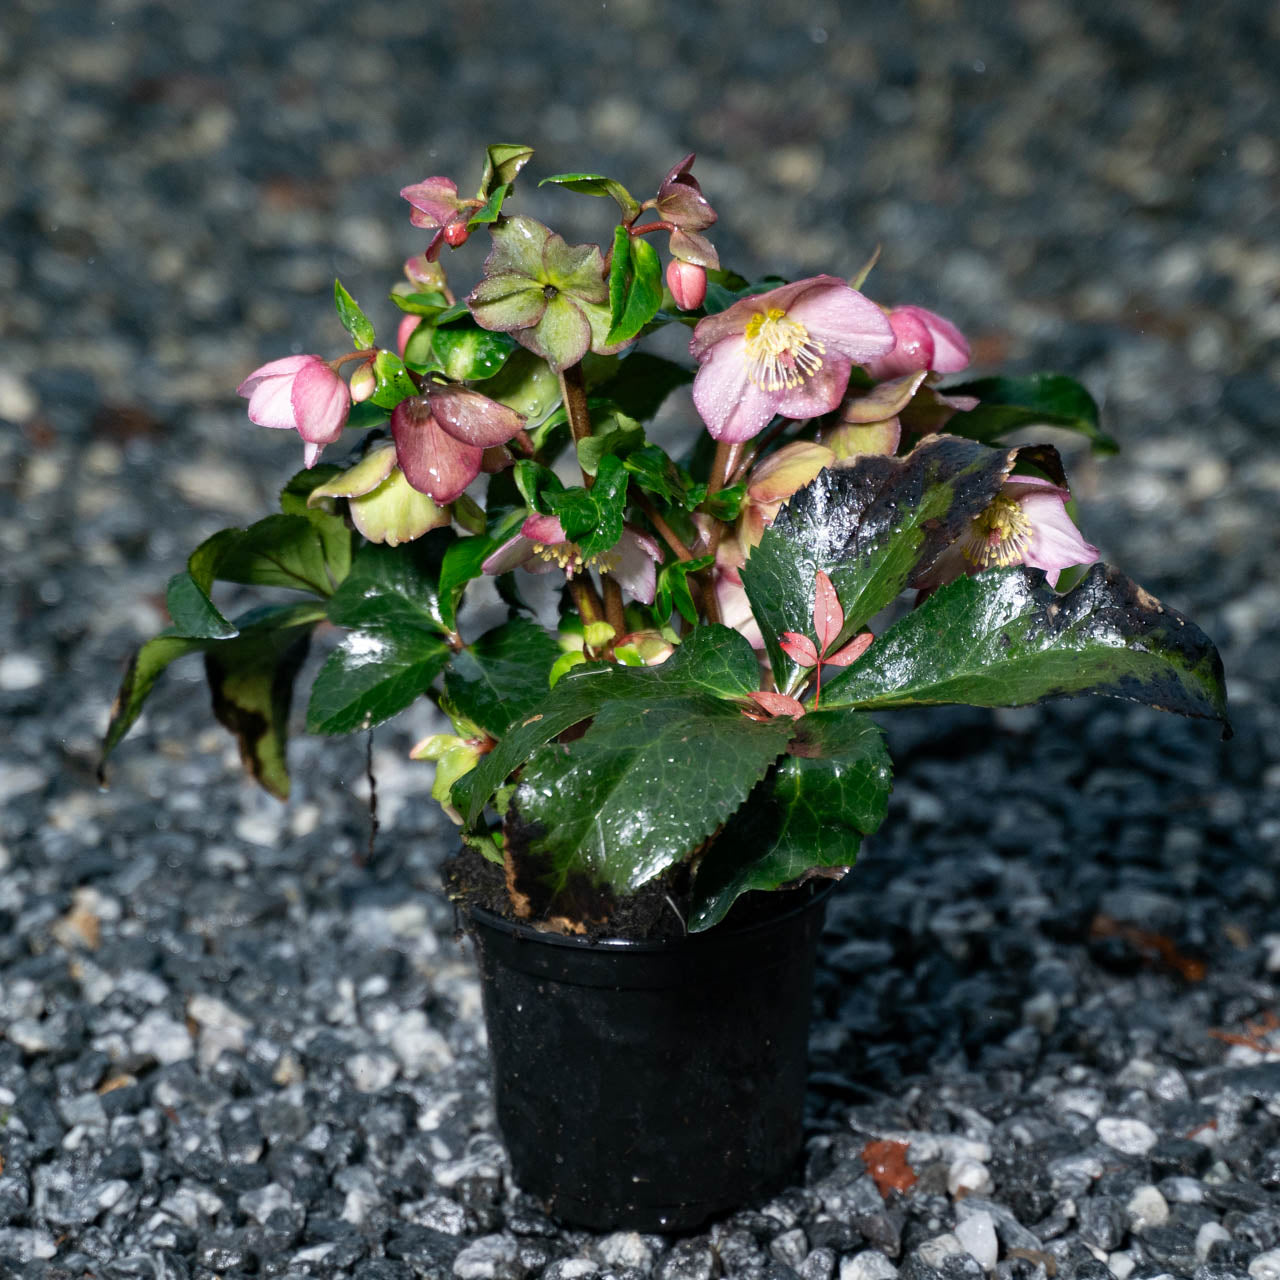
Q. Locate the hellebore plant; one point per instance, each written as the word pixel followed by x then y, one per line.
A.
pixel 837 531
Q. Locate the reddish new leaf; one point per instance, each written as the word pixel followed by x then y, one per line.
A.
pixel 778 704
pixel 828 616
pixel 799 647
pixel 851 652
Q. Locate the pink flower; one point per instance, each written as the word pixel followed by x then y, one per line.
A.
pixel 436 206
pixel 787 351
pixel 302 394
pixel 441 437
pixel 1026 523
pixel 688 284
pixel 923 340
pixel 541 546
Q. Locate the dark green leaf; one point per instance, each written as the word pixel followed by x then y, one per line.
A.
pixel 536 484
pixel 462 563
pixel 394 383
pixel 657 474
pixel 673 588
pixel 593 517
pixel 525 384
pixel 643 787
pixel 503 676
pixel 1003 638
pixel 366 414
pixel 726 504
pixel 869 528
pixel 251 680
pixel 643 294
pixel 613 433
pixel 454 312
pixel 713 660
pixel 642 382
pixel 332 530
pixel 619 269
pixel 354 321
pixel 466 353
pixel 394 586
pixel 830 790
pixel 281 551
pixel 492 207
pixel 596 184
pixel 1042 399
pixel 193 613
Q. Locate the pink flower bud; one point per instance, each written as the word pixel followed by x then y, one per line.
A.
pixel 456 234
pixel 923 340
pixel 302 394
pixel 363 383
pixel 408 324
pixel 688 284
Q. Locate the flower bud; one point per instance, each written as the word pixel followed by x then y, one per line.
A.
pixel 363 383
pixel 456 234
pixel 688 284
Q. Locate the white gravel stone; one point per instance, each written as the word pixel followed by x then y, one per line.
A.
pixel 1266 1266
pixel 163 1038
pixel 1209 1234
pixel 20 671
pixel 625 1249
pixel 978 1236
pixel 970 1177
pixel 937 1250
pixel 870 1264
pixel 262 1202
pixel 420 1047
pixel 18 779
pixel 1121 1265
pixel 1133 1137
pixel 487 1258
pixel 1147 1208
pixel 790 1248
pixel 370 1072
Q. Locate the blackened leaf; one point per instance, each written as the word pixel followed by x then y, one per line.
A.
pixel 503 675
pixel 642 382
pixel 869 528
pixel 1003 638
pixel 593 517
pixel 641 789
pixel 251 680
pixel 714 660
pixel 1050 399
pixel 830 790
pixel 354 321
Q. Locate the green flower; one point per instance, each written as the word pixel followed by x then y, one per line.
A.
pixel 550 296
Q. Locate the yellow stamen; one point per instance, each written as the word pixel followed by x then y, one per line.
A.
pixel 999 536
pixel 567 556
pixel 780 352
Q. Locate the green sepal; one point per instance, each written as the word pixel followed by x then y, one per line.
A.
pixel 429 304
pixel 502 161
pixel 354 321
pixel 1004 638
pixel 811 811
pixel 492 209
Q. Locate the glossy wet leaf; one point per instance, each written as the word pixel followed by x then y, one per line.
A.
pixel 869 528
pixel 657 474
pixel 502 161
pixel 503 675
pixel 192 611
pixel 673 588
pixel 636 303
pixel 593 517
pixel 492 208
pixel 467 353
pixel 830 790
pixel 525 384
pixel 429 304
pixel 613 433
pixel 1003 638
pixel 354 320
pixel 462 563
pixel 393 381
pixel 394 586
pixel 596 184
pixel 598 817
pixel 308 552
pixel 714 660
pixel 1050 399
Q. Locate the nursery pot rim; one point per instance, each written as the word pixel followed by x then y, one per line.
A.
pixel 522 931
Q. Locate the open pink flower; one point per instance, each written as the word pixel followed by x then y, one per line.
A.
pixel 1026 523
pixel 442 434
pixel 541 546
pixel 922 340
pixel 787 351
pixel 302 394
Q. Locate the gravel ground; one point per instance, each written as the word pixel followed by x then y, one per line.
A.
pixel 232 1044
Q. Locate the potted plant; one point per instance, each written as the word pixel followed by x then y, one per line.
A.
pixel 663 750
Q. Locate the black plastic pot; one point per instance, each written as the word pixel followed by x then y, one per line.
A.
pixel 651 1085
